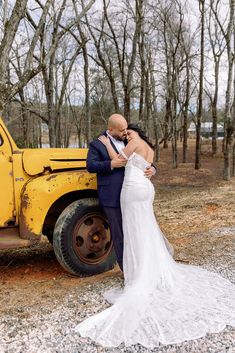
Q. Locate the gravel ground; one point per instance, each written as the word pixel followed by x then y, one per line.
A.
pixel 46 324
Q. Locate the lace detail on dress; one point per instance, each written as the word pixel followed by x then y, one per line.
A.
pixel 137 160
pixel 162 301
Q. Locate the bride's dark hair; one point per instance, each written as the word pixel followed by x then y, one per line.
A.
pixel 141 133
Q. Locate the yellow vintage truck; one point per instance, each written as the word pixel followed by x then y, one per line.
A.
pixel 49 192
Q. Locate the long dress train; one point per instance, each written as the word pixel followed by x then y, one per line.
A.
pixel 162 301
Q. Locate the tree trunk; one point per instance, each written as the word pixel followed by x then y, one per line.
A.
pixel 233 168
pixel 142 77
pixel 214 110
pixel 185 114
pixel 148 104
pixel 127 103
pixel 200 94
pixel 214 129
pixel 174 125
pixel 174 145
pixel 154 105
pixel 228 142
pixel 39 134
pixel 167 123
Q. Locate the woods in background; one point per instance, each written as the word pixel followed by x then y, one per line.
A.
pixel 71 63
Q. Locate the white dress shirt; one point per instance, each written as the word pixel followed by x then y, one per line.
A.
pixel 119 144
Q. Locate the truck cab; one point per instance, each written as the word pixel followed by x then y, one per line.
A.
pixel 49 192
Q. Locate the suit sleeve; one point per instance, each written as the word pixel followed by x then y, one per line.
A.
pixel 154 166
pixel 94 162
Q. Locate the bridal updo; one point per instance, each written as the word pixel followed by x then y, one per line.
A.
pixel 141 133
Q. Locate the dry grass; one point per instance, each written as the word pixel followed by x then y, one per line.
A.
pixel 190 201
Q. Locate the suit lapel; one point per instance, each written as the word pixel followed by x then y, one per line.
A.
pixel 113 145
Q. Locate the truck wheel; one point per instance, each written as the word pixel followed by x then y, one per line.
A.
pixel 81 239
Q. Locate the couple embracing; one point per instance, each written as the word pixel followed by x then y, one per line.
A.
pixel 107 157
pixel 162 301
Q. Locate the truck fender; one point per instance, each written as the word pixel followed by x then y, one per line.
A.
pixel 39 194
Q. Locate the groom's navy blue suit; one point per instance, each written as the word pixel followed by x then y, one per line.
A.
pixel 109 188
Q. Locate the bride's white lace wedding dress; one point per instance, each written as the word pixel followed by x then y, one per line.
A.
pixel 162 301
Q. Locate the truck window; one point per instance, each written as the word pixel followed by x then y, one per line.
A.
pixel 1 140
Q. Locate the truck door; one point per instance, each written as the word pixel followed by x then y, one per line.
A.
pixel 6 182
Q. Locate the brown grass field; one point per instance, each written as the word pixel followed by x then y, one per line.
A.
pixel 189 201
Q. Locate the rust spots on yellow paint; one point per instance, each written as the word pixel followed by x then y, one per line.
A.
pixel 25 203
pixel 51 177
pixel 26 232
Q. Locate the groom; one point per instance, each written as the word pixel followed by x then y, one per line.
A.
pixel 110 175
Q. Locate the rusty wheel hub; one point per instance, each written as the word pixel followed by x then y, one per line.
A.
pixel 91 238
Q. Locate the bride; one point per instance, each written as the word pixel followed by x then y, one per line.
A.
pixel 162 301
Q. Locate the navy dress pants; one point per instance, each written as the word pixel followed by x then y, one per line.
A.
pixel 114 217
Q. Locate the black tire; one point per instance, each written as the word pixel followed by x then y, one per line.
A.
pixel 81 239
pixel 50 238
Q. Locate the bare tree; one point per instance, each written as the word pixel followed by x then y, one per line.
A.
pixel 172 29
pixel 218 46
pixel 32 62
pixel 186 87
pixel 142 47
pixel 200 92
pixel 10 29
pixel 229 124
pixel 117 49
pixel 83 44
pixel 101 59
pixel 233 111
pixel 22 98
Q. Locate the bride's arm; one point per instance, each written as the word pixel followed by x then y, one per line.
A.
pixel 106 141
pixel 125 152
pixel 129 149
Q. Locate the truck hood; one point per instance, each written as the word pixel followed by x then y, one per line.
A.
pixel 38 160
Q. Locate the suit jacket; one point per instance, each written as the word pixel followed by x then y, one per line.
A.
pixel 109 181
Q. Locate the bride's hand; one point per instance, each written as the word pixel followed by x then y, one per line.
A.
pixel 104 140
pixel 120 156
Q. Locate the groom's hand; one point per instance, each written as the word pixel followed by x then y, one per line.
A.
pixel 149 172
pixel 118 163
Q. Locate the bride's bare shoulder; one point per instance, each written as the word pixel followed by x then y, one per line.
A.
pixel 132 142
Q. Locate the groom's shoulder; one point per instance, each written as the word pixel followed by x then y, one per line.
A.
pixel 96 142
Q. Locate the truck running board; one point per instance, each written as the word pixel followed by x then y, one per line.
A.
pixel 10 239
